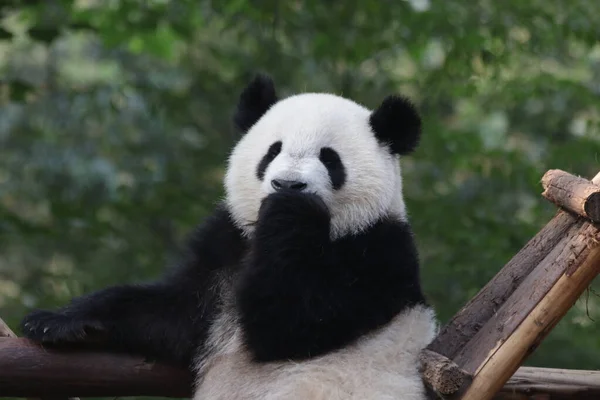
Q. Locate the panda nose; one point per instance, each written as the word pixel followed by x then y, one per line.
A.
pixel 282 184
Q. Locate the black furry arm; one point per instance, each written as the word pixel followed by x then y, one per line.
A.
pixel 155 320
pixel 302 295
pixel 165 320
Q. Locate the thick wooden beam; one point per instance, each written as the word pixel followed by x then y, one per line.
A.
pixel 28 370
pixel 574 249
pixel 563 256
pixel 6 332
pixel 494 354
pixel 472 317
pixel 551 384
pixel 442 374
pixel 506 356
pixel 572 193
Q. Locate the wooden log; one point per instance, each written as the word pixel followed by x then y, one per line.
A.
pixel 28 370
pixel 504 359
pixel 472 317
pixel 569 253
pixel 551 384
pixel 496 351
pixel 572 193
pixel 441 373
pixel 5 331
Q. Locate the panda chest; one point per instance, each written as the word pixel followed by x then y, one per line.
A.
pixel 378 366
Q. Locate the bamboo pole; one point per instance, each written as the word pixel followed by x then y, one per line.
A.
pixel 503 360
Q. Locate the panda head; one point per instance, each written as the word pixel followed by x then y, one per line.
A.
pixel 324 144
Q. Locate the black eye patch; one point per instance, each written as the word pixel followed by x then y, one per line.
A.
pixel 273 151
pixel 331 159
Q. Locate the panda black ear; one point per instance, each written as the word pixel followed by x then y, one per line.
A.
pixel 254 101
pixel 397 123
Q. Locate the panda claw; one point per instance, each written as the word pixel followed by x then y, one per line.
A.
pixel 55 327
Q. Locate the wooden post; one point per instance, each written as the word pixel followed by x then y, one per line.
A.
pixel 581 260
pixel 503 361
pixel 469 320
pixel 525 300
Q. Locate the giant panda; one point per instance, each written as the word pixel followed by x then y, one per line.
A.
pixel 304 283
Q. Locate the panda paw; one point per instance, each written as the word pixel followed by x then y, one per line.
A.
pixel 284 209
pixel 56 328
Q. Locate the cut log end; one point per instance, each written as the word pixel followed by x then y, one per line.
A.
pixel 572 193
pixel 592 207
pixel 442 374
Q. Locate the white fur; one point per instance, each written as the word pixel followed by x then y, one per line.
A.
pixel 305 123
pixel 379 366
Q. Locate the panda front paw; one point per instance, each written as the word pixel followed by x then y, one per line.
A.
pixel 288 218
pixel 57 328
pixel 294 209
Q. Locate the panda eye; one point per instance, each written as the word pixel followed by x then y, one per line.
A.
pixel 337 173
pixel 329 157
pixel 272 152
pixel 274 149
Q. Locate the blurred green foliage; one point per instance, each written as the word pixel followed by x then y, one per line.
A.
pixel 115 128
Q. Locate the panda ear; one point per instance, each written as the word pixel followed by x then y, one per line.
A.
pixel 397 123
pixel 254 101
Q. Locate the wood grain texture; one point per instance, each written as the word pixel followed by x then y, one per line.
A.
pixel 28 370
pixel 473 316
pixel 442 374
pixel 5 331
pixel 571 251
pixel 551 384
pixel 501 362
pixel 572 193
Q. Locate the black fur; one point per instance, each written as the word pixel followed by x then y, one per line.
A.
pixel 298 293
pixel 254 102
pixel 302 295
pixel 397 123
pixel 337 173
pixel 166 320
pixel 273 151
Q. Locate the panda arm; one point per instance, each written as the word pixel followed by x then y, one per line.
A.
pixel 303 295
pixel 166 319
